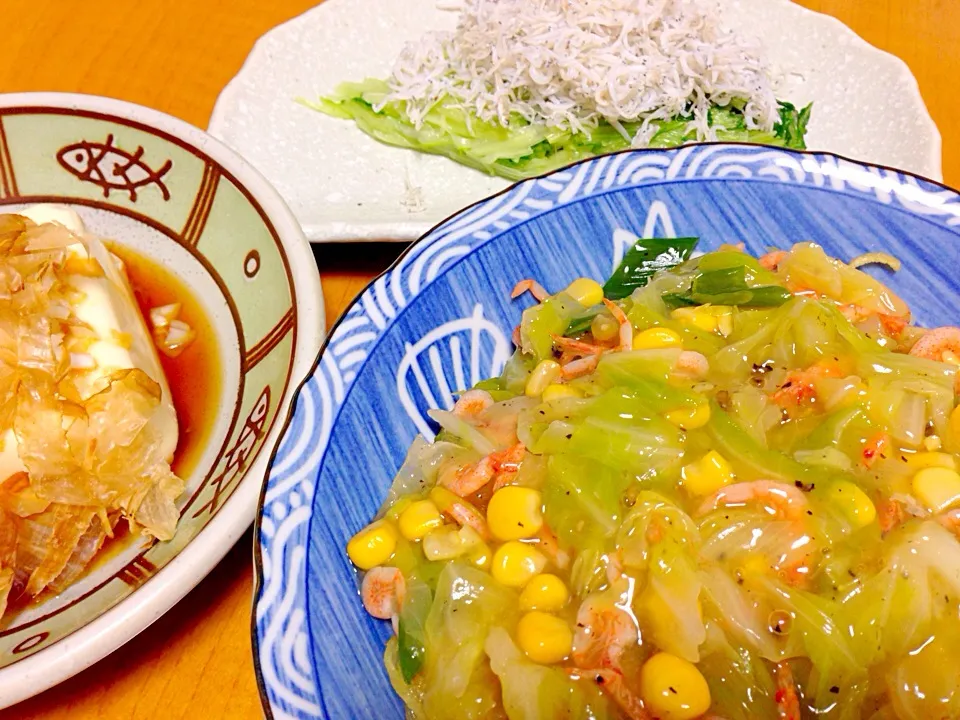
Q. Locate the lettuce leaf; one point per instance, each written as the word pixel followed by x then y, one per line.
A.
pixel 522 150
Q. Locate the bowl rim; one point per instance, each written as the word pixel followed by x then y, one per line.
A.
pixel 134 613
pixel 331 333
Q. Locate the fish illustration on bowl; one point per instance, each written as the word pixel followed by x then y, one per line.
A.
pixel 113 168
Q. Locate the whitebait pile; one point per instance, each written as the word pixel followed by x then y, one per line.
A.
pixel 570 65
pixel 524 87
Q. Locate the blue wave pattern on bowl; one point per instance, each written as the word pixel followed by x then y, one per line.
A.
pixel 441 319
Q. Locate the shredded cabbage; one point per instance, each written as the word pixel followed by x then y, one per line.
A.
pixel 753 509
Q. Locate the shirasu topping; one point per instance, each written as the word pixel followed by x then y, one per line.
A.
pixel 571 63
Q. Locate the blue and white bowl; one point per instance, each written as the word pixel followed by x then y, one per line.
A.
pixel 441 318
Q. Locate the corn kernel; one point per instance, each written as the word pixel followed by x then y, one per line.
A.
pixel 442 543
pixel 514 513
pixel 449 541
pixel 418 519
pixel 656 338
pixel 690 418
pixel 711 318
pixel 515 563
pixel 604 327
pixel 546 639
pixel 544 374
pixel 920 460
pixel 938 488
pixel 396 510
pixel 698 317
pixel 556 391
pixel 707 475
pixel 481 556
pixel 672 688
pixel 545 592
pixel 372 546
pixel 853 502
pixel 585 291
pixel 444 499
pixel 932 443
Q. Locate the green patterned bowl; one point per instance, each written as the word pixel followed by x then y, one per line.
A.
pixel 176 196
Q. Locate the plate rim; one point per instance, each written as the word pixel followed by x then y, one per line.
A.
pixel 408 230
pixel 113 628
pixel 693 148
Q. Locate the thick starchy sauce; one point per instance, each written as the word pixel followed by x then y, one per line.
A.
pixel 194 376
pixel 785 546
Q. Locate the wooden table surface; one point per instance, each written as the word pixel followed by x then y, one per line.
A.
pixel 176 55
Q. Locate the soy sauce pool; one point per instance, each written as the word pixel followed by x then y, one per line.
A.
pixel 194 376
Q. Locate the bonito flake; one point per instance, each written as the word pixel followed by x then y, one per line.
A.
pixel 87 425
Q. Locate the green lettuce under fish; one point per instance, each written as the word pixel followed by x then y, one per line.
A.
pixel 523 150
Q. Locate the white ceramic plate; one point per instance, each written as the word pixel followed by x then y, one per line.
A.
pixel 343 185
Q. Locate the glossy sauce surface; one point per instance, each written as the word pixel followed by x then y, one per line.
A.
pixel 194 376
